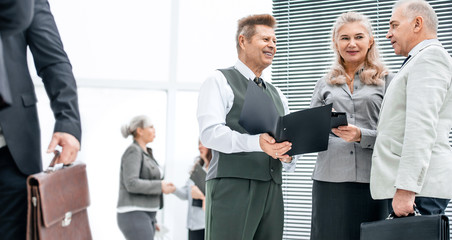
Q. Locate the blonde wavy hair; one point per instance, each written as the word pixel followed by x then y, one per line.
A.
pixel 373 69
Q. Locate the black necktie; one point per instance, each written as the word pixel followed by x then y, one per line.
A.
pixel 406 59
pixel 5 93
pixel 259 82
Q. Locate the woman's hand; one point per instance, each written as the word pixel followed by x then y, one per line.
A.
pixel 350 133
pixel 168 187
pixel 286 159
pixel 196 193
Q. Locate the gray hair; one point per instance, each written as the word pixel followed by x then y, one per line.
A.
pixel 247 26
pixel 141 121
pixel 421 8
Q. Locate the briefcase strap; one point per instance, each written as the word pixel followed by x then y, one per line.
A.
pixel 52 167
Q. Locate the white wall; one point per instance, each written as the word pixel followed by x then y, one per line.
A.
pixel 142 57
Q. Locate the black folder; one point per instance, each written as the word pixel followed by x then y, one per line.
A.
pixel 338 119
pixel 198 176
pixel 308 130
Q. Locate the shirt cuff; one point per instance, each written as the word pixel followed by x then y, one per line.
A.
pixel 290 167
pixel 253 143
pixel 367 138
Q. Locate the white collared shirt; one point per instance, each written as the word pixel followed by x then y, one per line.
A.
pixel 2 139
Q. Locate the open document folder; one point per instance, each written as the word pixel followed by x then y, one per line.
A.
pixel 198 176
pixel 308 130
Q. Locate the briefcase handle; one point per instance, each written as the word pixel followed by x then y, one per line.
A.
pixel 52 167
pixel 415 213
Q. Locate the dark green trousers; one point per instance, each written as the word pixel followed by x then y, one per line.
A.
pixel 244 209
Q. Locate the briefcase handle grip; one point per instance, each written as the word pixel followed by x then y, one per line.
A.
pixel 52 167
pixel 415 213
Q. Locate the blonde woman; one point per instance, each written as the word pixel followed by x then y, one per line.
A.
pixel 355 84
pixel 141 183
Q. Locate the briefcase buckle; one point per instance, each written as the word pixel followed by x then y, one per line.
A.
pixel 67 219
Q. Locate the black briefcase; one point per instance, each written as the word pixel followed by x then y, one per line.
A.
pixel 423 227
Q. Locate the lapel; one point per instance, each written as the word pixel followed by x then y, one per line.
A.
pixel 397 75
pixel 346 89
pixel 416 53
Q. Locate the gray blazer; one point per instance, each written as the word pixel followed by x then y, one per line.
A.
pixel 195 215
pixel 349 161
pixel 140 180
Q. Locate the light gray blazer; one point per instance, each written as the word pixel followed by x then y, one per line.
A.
pixel 412 150
pixel 344 161
pixel 140 180
pixel 195 215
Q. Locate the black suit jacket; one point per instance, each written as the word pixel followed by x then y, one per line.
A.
pixel 15 15
pixel 19 122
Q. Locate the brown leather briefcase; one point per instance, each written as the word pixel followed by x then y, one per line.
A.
pixel 57 204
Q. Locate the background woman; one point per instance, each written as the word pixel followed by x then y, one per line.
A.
pixel 141 185
pixel 355 84
pixel 196 199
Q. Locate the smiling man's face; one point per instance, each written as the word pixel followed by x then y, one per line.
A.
pixel 259 51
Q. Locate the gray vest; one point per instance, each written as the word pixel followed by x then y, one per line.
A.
pixel 247 165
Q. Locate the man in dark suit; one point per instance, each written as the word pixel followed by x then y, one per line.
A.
pixel 20 144
pixel 15 16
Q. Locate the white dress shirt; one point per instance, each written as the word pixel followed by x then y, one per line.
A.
pixel 214 103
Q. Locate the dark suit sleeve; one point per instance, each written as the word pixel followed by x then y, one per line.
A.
pixel 53 66
pixel 15 15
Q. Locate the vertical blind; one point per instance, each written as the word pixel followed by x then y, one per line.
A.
pixel 304 55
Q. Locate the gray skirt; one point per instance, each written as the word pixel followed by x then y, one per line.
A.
pixel 338 209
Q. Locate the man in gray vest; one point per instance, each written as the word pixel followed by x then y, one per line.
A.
pixel 243 192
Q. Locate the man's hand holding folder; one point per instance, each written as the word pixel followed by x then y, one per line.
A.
pixel 303 131
pixel 274 149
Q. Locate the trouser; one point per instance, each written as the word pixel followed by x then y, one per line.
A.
pixel 431 206
pixel 137 225
pixel 243 209
pixel 428 205
pixel 13 198
pixel 196 234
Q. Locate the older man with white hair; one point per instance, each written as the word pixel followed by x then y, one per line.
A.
pixel 412 158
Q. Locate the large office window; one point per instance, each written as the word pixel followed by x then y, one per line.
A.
pixel 141 57
pixel 304 55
